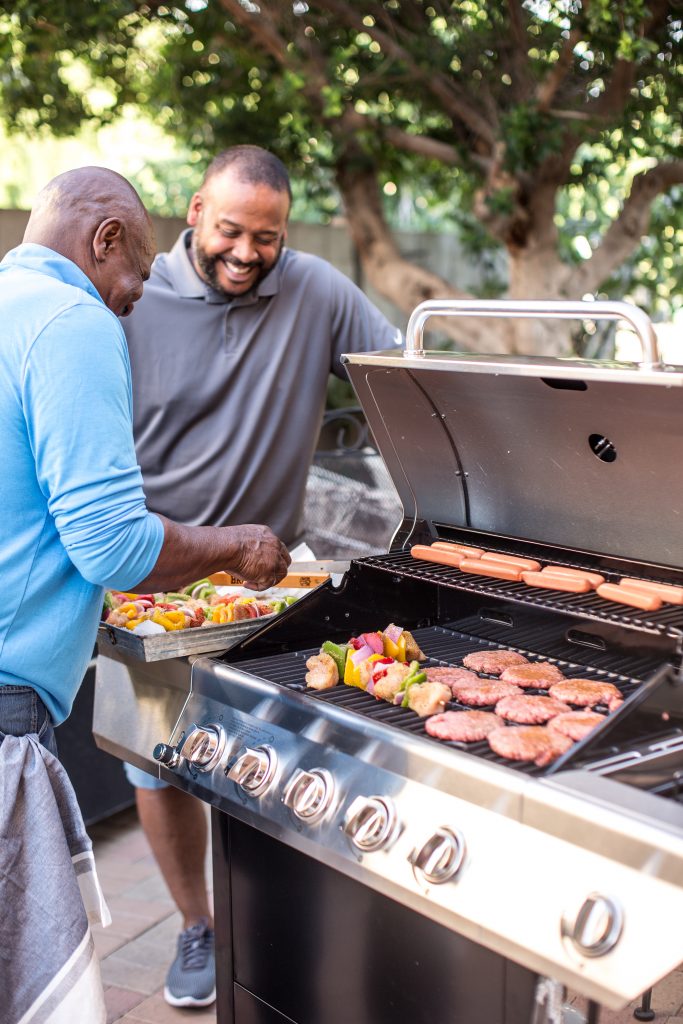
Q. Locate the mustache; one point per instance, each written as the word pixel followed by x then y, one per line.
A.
pixel 233 261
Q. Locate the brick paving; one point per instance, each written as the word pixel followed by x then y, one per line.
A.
pixel 137 948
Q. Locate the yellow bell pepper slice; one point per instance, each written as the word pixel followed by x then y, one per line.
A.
pixel 351 673
pixel 397 651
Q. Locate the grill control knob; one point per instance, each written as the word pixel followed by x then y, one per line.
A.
pixel 309 794
pixel 596 928
pixel 254 769
pixel 441 857
pixel 167 754
pixel 203 746
pixel 371 823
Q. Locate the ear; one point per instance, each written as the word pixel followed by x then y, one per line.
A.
pixel 107 236
pixel 194 209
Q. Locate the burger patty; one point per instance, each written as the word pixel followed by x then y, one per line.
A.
pixel 587 693
pixel 484 692
pixel 493 662
pixel 528 743
pixel 463 726
pixel 540 675
pixel 575 724
pixel 530 710
pixel 450 675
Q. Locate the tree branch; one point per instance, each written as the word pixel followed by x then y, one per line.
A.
pixel 547 89
pixel 453 101
pixel 261 28
pixel 404 283
pixel 625 233
pixel 519 63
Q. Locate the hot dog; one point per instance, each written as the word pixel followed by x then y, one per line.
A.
pixel 634 598
pixel 429 554
pixel 499 572
pixel 443 545
pixel 551 581
pixel 664 591
pixel 594 578
pixel 527 564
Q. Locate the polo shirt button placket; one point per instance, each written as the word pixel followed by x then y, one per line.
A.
pixel 228 332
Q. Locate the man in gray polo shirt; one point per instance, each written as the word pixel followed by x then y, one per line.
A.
pixel 231 348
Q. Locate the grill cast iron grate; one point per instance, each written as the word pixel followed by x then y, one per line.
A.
pixel 443 646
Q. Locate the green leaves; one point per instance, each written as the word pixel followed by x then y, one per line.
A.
pixel 462 107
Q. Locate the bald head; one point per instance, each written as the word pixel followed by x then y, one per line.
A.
pixel 95 218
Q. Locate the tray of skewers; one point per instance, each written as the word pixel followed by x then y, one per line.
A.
pixel 196 619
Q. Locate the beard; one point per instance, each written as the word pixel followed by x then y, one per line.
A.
pixel 208 267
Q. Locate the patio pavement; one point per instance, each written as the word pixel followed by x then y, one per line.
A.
pixel 137 948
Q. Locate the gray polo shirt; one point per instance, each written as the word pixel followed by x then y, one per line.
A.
pixel 228 394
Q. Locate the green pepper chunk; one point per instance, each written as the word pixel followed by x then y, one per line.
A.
pixel 338 654
pixel 414 676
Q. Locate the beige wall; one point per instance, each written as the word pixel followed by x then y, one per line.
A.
pixel 438 252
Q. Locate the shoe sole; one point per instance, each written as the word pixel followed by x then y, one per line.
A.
pixel 188 1000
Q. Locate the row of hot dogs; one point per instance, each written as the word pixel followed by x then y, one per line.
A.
pixel 647 595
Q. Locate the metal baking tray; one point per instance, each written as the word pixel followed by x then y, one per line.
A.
pixel 180 642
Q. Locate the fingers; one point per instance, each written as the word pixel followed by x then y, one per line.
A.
pixel 266 561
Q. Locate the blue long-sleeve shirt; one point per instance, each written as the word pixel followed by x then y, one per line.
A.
pixel 73 518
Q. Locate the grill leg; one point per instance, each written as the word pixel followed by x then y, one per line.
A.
pixel 644 1011
pixel 593 1012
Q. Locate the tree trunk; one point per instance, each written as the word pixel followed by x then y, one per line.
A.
pixel 398 280
pixel 535 272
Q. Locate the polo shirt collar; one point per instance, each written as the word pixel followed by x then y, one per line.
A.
pixel 46 261
pixel 189 285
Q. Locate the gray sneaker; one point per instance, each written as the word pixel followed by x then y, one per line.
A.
pixel 191 979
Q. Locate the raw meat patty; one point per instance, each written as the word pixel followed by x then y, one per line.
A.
pixel 528 743
pixel 465 726
pixel 587 693
pixel 575 724
pixel 493 662
pixel 450 675
pixel 484 692
pixel 530 710
pixel 540 675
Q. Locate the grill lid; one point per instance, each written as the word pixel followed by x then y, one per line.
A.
pixel 575 453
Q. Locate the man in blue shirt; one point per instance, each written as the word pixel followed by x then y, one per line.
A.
pixel 74 519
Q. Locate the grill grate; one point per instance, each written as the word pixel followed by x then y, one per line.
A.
pixel 443 646
pixel 667 621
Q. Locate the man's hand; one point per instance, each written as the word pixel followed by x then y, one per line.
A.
pixel 190 552
pixel 261 559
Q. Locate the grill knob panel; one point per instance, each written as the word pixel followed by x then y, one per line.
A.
pixel 371 823
pixel 167 754
pixel 309 794
pixel 203 746
pixel 597 927
pixel 254 769
pixel 441 857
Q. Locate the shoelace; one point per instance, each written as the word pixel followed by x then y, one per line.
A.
pixel 195 947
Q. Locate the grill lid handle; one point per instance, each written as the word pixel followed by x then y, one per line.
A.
pixel 512 308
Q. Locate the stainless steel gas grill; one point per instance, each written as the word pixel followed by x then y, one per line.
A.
pixel 451 884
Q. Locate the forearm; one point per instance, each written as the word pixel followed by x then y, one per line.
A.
pixel 191 552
